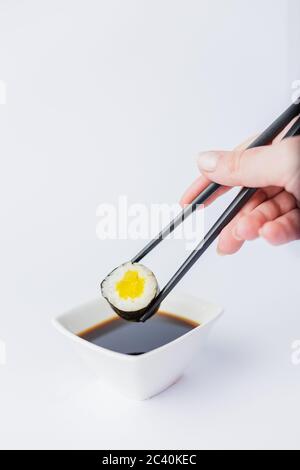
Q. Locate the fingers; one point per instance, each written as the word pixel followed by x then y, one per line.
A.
pixel 249 226
pixel 272 212
pixel 196 188
pixel 283 230
pixel 262 214
pixel 228 242
pixel 202 182
pixel 274 165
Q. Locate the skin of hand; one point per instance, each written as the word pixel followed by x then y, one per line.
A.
pixel 274 211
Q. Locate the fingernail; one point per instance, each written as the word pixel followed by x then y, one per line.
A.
pixel 236 233
pixel 207 161
pixel 220 252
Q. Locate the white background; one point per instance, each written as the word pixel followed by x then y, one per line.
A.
pixel 116 97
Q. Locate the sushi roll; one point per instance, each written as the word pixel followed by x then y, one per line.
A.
pixel 130 289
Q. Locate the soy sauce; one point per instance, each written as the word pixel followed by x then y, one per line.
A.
pixel 124 337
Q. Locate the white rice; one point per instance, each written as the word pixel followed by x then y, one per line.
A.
pixel 110 292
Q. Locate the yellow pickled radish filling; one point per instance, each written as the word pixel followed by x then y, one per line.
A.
pixel 131 285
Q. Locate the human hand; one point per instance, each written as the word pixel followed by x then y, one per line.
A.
pixel 274 211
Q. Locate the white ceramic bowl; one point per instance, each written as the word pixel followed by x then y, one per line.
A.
pixel 140 377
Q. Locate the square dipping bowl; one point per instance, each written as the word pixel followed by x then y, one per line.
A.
pixel 143 376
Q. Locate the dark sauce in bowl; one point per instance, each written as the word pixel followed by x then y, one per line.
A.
pixel 133 339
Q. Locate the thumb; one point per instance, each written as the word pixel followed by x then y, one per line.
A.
pixel 273 165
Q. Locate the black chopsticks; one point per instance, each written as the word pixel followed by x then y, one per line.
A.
pixel 264 139
pixel 240 200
